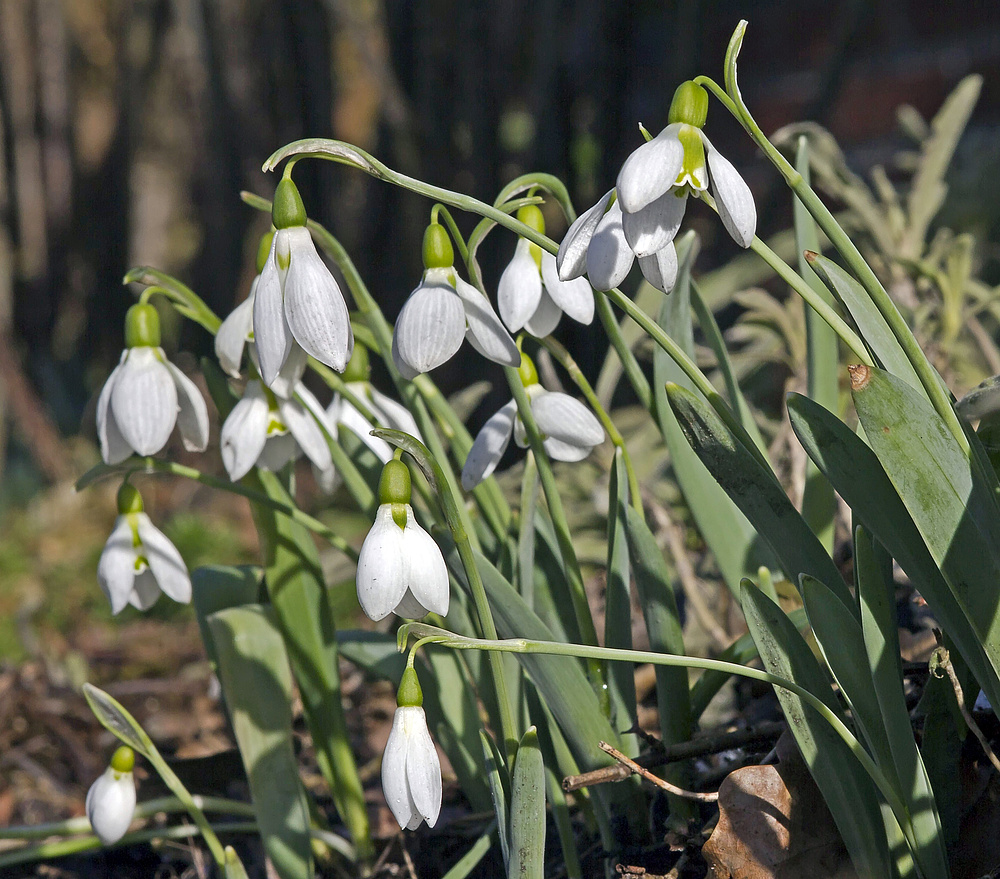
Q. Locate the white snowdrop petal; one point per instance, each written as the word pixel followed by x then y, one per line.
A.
pixel 144 401
pixel 485 331
pixel 558 450
pixel 164 560
pixel 278 450
pixel 116 567
pixel 609 257
pixel 314 306
pixel 111 804
pixel 290 374
pixel 423 768
pixel 546 317
pixel 192 414
pixel 426 572
pixel 114 447
pixel 393 413
pixel 732 197
pixel 567 419
pixel 231 337
pixel 489 446
pixel 244 432
pixel 381 566
pixel 650 170
pixel 571 261
pixel 656 225
pixel 395 786
pixel 303 427
pixel 430 327
pixel 519 288
pixel 660 268
pixel 145 591
pixel 355 422
pixel 575 296
pixel 405 370
pixel 271 335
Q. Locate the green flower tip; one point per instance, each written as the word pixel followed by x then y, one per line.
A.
pixel 264 249
pixel 394 485
pixel 690 105
pixel 123 760
pixel 287 209
pixel 357 367
pixel 409 694
pixel 438 252
pixel 527 371
pixel 142 326
pixel 129 500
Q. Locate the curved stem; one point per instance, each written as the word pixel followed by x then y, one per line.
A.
pixel 637 378
pixel 456 235
pixel 556 349
pixel 157 465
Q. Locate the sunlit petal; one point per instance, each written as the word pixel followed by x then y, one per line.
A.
pixel 245 432
pixel 116 567
pixel 660 268
pixel 144 400
pixel 272 337
pixel 650 170
pixel 192 414
pixel 571 261
pixel 430 327
pixel 656 225
pixel 519 288
pixel 609 257
pixel 381 566
pixel 732 197
pixel 164 560
pixel 575 296
pixel 489 446
pixel 485 331
pixel 232 335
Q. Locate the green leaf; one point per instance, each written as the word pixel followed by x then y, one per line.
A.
pixel 253 669
pixel 756 492
pixel 117 720
pixel 858 476
pixel 952 508
pixel 729 535
pixel 618 607
pixel 848 791
pixel 216 587
pixel 527 811
pixel 498 782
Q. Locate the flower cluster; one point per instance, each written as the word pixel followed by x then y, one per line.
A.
pixel 641 216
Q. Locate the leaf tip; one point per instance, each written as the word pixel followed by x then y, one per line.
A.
pixel 811 256
pixel 860 376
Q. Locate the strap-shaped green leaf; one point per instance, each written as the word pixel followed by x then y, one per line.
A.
pixel 253 669
pixel 848 791
pixel 527 811
pixel 216 587
pixel 756 492
pixel 855 471
pixel 499 785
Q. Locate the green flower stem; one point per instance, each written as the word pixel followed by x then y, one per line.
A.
pixel 158 465
pixel 608 654
pixel 184 299
pixel 538 180
pixel 335 381
pixel 456 235
pixel 574 577
pixel 81 824
pixel 812 298
pixel 383 337
pixel 556 349
pixel 450 503
pixel 634 373
pixel 825 219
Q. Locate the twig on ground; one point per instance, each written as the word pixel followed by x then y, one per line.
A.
pixel 661 783
pixel 941 662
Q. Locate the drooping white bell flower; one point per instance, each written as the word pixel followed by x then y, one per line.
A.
pixel 570 429
pixel 442 311
pixel 111 799
pixel 266 430
pixel 297 300
pixel 531 294
pixel 656 179
pixel 139 561
pixel 400 567
pixel 411 769
pixel 595 244
pixel 146 395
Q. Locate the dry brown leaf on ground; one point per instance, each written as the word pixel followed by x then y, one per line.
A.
pixel 773 824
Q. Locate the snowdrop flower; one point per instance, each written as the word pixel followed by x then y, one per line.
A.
pixel 656 179
pixel 146 395
pixel 400 567
pixel 569 428
pixel 442 311
pixel 236 333
pixel 139 561
pixel 266 430
pixel 595 244
pixel 297 301
pixel 531 294
pixel 411 770
pixel 111 799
